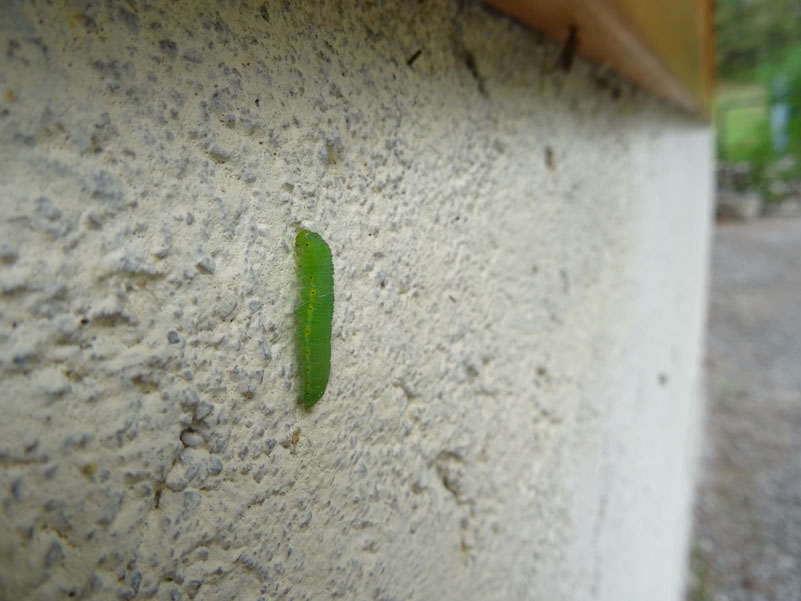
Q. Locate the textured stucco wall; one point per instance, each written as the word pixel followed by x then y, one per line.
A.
pixel 520 259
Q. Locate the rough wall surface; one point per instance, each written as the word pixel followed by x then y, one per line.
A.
pixel 519 256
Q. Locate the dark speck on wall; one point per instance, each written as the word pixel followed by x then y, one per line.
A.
pixel 413 57
pixel 569 49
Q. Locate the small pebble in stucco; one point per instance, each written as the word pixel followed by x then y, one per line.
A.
pixel 8 255
pixel 54 554
pixel 203 410
pixel 206 264
pixel 16 489
pixel 191 439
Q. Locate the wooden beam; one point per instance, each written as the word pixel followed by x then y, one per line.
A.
pixel 665 46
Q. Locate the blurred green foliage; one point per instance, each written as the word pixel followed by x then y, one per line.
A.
pixel 759 62
pixel 743 122
pixel 751 33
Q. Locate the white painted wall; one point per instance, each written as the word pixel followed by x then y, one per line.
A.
pixel 520 260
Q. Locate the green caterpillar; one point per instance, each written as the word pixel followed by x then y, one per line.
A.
pixel 313 314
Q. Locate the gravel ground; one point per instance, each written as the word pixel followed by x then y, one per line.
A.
pixel 747 539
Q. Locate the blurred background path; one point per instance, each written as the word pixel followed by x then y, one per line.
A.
pixel 747 539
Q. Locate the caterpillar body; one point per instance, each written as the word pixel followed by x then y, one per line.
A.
pixel 313 315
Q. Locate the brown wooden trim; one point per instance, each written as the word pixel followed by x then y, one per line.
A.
pixel 663 45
